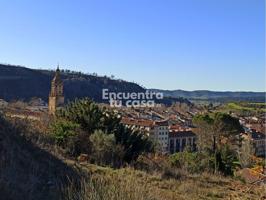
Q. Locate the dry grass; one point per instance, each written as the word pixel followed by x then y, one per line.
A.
pixel 35 169
pixel 127 183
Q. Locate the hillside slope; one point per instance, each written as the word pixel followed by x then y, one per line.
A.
pixel 28 171
pixel 215 96
pixel 23 83
pixel 31 168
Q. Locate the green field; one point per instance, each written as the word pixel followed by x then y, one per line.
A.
pixel 246 106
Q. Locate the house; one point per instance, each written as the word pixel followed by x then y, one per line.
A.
pixel 157 130
pixel 142 124
pixel 259 142
pixel 160 132
pixel 179 139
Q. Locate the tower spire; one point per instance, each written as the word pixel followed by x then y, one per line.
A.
pixel 56 96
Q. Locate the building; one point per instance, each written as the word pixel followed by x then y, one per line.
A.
pixel 157 130
pixel 142 124
pixel 180 139
pixel 56 96
pixel 160 132
pixel 259 142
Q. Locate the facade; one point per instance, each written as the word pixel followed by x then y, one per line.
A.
pixel 170 139
pixel 160 132
pixel 181 139
pixel 259 142
pixel 157 130
pixel 56 96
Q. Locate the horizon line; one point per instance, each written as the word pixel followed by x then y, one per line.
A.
pixel 186 90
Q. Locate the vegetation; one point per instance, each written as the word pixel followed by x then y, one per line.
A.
pixel 219 136
pixel 84 119
pixel 121 162
pixel 245 108
pixel 192 162
pixel 63 130
pixel 212 96
pixel 105 151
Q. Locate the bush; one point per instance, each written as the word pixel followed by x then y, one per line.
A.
pixel 62 130
pixel 70 137
pixel 134 142
pixel 227 161
pixel 105 151
pixel 83 112
pixel 193 162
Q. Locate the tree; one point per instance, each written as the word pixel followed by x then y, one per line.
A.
pixel 62 130
pixel 133 141
pixel 204 130
pixel 70 137
pixel 90 117
pixel 227 160
pixel 83 112
pixel 227 130
pixel 110 121
pixel 214 132
pixel 246 153
pixel 105 151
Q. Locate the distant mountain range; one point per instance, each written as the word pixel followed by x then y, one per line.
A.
pixel 214 96
pixel 21 83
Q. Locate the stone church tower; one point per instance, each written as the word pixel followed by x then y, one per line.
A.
pixel 56 96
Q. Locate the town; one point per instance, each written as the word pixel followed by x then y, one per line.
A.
pixel 132 100
pixel 171 127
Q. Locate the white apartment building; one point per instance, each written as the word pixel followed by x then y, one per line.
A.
pixel 259 142
pixel 160 132
pixel 157 130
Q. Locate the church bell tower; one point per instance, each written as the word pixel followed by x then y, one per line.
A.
pixel 56 96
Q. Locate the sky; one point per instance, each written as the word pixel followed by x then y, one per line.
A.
pixel 166 44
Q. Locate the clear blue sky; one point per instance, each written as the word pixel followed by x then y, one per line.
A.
pixel 166 44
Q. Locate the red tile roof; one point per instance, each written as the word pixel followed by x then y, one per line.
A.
pixel 137 122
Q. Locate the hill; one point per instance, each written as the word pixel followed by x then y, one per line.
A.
pixel 21 83
pixel 32 167
pixel 18 82
pixel 214 95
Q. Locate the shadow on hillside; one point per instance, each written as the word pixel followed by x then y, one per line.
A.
pixel 29 172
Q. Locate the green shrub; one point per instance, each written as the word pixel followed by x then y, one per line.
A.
pixel 84 112
pixel 227 161
pixel 85 115
pixel 62 130
pixel 70 137
pixel 193 162
pixel 105 151
pixel 134 142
